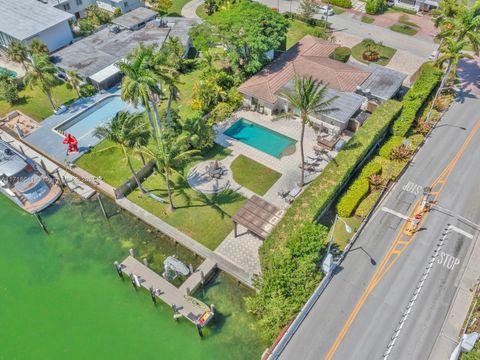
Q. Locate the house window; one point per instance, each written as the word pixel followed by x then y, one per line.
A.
pixel 79 2
pixel 66 7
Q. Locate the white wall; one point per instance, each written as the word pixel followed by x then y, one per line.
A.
pixel 75 7
pixel 56 37
pixel 110 5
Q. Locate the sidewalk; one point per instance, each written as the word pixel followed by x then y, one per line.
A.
pixel 450 334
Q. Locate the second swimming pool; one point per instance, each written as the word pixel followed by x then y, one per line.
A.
pixel 261 138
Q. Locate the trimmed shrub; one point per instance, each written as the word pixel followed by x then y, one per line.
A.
pixel 350 200
pixel 342 53
pixel 389 145
pixel 373 7
pixel 358 190
pixel 415 140
pixel 276 305
pixel 390 169
pixel 87 90
pixel 347 4
pixel 367 204
pixel 414 99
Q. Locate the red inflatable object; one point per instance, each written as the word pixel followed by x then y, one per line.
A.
pixel 72 143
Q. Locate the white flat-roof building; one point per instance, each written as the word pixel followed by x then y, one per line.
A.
pixel 78 7
pixel 25 20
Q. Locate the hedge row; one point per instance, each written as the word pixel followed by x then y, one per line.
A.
pixel 389 145
pixel 347 4
pixel 414 99
pixel 373 7
pixel 358 190
pixel 275 252
pixel 367 204
pixel 342 53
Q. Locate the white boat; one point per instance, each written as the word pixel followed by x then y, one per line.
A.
pixel 25 182
pixel 171 263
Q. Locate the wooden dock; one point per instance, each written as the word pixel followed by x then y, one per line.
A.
pixel 187 306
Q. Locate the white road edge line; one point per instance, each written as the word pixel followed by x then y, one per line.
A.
pixel 396 213
pixel 461 232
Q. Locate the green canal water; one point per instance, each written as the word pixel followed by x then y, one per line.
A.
pixel 60 297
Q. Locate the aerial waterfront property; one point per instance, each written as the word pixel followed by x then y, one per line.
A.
pixel 244 180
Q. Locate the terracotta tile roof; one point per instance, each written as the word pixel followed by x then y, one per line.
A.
pixel 310 56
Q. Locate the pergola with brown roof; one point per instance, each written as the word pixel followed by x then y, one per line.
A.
pixel 258 216
pixel 310 56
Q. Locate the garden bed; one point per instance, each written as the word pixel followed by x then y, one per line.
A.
pixel 404 29
pixel 385 53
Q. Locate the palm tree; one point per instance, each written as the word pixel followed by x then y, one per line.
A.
pixel 172 83
pixel 18 52
pixel 171 151
pixel 140 84
pixel 38 47
pixel 40 71
pixel 464 25
pixel 308 97
pixel 74 81
pixel 446 10
pixel 127 131
pixel 452 52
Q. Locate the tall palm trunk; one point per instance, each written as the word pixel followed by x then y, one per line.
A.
pixel 47 92
pixel 169 190
pixel 137 180
pixel 169 109
pixel 302 135
pixel 148 110
pixel 157 116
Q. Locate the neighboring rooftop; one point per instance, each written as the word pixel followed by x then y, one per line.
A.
pixel 104 48
pixel 135 18
pixel 311 56
pixel 23 19
pixel 383 83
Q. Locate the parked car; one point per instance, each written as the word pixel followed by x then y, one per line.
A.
pixel 390 3
pixel 434 55
pixel 326 10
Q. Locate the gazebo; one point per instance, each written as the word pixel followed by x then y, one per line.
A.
pixel 258 216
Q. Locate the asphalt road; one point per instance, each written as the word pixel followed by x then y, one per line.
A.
pixel 362 307
pixel 347 22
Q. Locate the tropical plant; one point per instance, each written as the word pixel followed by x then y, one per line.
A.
pixel 172 83
pixel 127 131
pixel 463 25
pixel 40 71
pixel 18 52
pixel 446 10
pixel 400 153
pixel 376 181
pixel 161 6
pixel 8 89
pixel 140 83
pixel 74 81
pixel 171 151
pixel 308 97
pixel 38 47
pixel 87 90
pixel 308 8
pixel 452 52
pixel 206 94
pixel 200 132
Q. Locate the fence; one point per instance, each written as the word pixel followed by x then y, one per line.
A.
pixel 129 185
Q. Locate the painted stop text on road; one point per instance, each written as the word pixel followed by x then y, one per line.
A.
pixel 447 260
pixel 412 188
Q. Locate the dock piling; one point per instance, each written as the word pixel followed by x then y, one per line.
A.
pixel 119 269
pixel 132 252
pixel 152 294
pixel 199 330
pixel 40 222
pixel 145 262
pixel 132 278
pixel 99 198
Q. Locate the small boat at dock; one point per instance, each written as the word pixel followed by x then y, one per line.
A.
pixel 25 182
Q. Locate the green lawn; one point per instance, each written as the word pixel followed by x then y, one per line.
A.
pixel 404 29
pixel 253 175
pixel 176 8
pixel 201 13
pixel 34 103
pixel 297 30
pixel 206 219
pixel 367 19
pixel 340 236
pixel 386 54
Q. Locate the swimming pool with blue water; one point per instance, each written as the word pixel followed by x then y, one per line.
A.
pixel 261 138
pixel 83 125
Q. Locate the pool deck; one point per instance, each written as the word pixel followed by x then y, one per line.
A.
pixel 49 141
